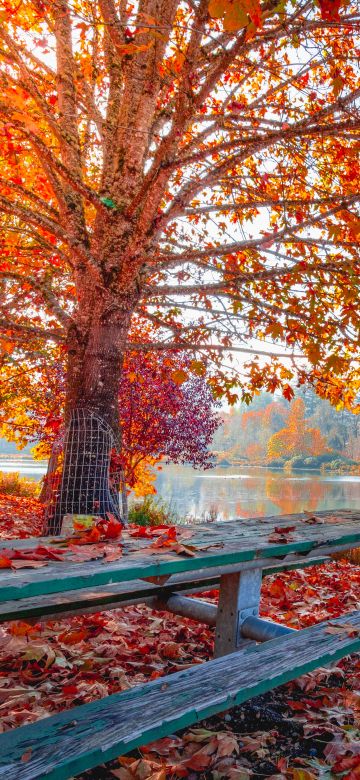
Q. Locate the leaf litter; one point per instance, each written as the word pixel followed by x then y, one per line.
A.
pixel 304 730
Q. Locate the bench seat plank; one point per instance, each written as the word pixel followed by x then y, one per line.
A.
pixel 56 606
pixel 219 544
pixel 64 745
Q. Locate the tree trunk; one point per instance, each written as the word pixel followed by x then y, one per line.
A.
pixel 92 431
pixel 124 499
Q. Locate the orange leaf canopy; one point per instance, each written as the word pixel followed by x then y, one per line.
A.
pixel 183 175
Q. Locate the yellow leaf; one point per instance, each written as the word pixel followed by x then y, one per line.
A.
pixel 178 61
pixel 128 49
pixel 7 346
pixel 179 376
pixel 338 84
pixel 354 225
pixel 198 367
pixel 335 232
pixel 235 18
pixel 302 774
pixel 217 8
pixel 314 353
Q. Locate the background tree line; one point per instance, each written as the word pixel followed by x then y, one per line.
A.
pixel 308 432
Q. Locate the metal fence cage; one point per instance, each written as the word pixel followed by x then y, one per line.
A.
pixel 82 484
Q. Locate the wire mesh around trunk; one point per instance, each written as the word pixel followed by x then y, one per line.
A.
pixel 79 479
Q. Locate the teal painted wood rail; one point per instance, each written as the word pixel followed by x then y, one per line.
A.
pixel 64 745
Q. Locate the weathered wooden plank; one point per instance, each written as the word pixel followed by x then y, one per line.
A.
pixel 249 530
pixel 71 742
pixel 88 601
pixel 244 541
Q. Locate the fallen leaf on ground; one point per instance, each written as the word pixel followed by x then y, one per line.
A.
pixel 312 519
pixel 26 756
pixel 342 628
pixel 301 774
pixel 276 536
pixel 27 564
pixel 101 654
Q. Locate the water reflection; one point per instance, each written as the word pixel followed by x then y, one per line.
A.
pixel 229 492
pixel 233 492
pixel 27 468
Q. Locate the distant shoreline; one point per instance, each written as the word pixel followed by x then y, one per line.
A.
pixel 27 460
pixel 19 457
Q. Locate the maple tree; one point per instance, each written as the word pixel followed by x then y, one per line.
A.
pixel 189 164
pixel 258 426
pixel 297 438
pixel 165 415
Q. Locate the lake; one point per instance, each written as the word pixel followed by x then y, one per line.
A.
pixel 233 491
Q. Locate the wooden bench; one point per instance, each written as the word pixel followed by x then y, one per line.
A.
pixel 234 556
pixel 64 745
pixel 87 601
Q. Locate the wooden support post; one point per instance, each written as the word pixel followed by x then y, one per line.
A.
pixel 239 598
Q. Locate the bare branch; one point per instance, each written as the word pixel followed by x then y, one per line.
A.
pixel 265 203
pixel 154 346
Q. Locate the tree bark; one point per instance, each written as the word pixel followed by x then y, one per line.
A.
pixel 92 430
pixel 124 499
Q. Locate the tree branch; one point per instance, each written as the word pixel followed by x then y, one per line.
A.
pixel 153 346
pixel 29 330
pixel 46 292
pixel 264 203
pixel 45 223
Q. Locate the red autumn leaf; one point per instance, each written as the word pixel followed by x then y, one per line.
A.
pixel 330 9
pixel 346 762
pixel 21 628
pixel 312 519
pixel 70 690
pixel 342 628
pixel 73 637
pixel 171 650
pixel 112 529
pixel 81 552
pixel 53 424
pixel 26 756
pixel 201 759
pixel 237 105
pixel 140 531
pixel 276 536
pixel 113 555
pixel 48 552
pixel 89 537
pixel 165 539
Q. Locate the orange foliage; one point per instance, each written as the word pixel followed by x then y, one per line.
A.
pixel 297 438
pixel 229 186
pixel 254 451
pixel 288 495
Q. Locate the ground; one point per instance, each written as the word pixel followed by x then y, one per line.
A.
pixel 306 729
